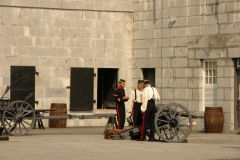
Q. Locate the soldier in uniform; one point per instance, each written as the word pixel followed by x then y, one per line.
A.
pixel 150 94
pixel 120 98
pixel 134 107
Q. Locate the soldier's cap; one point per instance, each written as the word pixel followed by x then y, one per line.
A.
pixel 140 81
pixel 122 81
pixel 146 81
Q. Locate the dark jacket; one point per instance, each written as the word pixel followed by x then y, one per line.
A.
pixel 118 94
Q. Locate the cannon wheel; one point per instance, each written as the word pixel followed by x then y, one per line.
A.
pixel 173 123
pixel 18 118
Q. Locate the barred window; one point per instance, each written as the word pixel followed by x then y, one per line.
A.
pixel 210 72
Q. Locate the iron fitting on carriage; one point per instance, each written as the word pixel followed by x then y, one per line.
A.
pixel 173 123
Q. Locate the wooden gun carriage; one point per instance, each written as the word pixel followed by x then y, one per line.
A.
pixel 173 122
pixel 18 117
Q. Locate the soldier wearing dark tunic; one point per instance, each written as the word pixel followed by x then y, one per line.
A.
pixel 120 98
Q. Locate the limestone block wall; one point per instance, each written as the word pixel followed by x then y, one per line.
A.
pixel 55 35
pixel 175 36
pixel 100 5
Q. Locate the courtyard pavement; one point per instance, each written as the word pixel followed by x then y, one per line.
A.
pixel 82 143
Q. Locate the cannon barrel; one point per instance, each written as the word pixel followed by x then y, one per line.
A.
pixel 182 114
pixel 158 106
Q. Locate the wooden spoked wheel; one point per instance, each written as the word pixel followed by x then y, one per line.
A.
pixel 18 118
pixel 173 123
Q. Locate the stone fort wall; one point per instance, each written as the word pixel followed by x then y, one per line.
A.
pixel 203 30
pixel 54 35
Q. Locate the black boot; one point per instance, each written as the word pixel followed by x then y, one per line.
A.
pixel 135 137
pixel 152 139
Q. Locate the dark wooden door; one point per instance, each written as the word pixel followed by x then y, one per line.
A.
pixel 81 89
pixel 23 83
pixel 238 97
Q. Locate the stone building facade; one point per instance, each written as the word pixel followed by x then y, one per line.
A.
pixel 177 38
pixel 56 35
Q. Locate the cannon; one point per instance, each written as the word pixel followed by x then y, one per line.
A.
pixel 18 117
pixel 173 123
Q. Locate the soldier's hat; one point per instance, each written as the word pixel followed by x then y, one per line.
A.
pixel 122 80
pixel 146 81
pixel 140 81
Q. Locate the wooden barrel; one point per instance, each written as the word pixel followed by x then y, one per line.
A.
pixel 213 119
pixel 60 109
